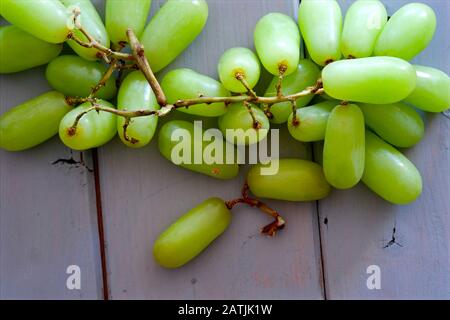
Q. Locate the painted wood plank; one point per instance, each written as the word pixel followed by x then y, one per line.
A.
pixel 143 194
pixel 357 227
pixel 47 212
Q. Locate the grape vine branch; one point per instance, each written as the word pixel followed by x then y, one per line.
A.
pixel 116 60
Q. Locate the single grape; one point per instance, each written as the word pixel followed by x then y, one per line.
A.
pixel 45 19
pixel 238 126
pixel 92 23
pixel 177 137
pixel 432 90
pixel 192 233
pixel 320 23
pixel 182 84
pixel 343 153
pixel 21 51
pixel 121 15
pixel 135 93
pixel 396 123
pixel 32 122
pixel 239 62
pixel 377 80
pixel 277 42
pixel 311 122
pixel 363 24
pixel 306 75
pixel 407 32
pixel 389 173
pixel 295 180
pixel 93 130
pixel 75 77
pixel 172 30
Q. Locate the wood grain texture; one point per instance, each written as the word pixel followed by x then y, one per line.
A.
pixel 47 212
pixel 143 194
pixel 357 226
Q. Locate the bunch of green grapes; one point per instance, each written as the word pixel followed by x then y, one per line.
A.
pixel 366 92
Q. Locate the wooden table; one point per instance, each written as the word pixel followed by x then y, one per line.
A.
pixel 49 208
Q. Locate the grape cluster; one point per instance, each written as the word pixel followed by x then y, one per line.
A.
pixel 357 93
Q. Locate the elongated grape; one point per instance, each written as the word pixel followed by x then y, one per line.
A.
pixel 93 130
pixel 389 173
pixel 182 143
pixel 407 32
pixel 92 23
pixel 396 123
pixel 277 42
pixel 363 24
pixel 320 23
pixel 343 153
pixel 20 50
pixel 306 75
pixel 235 63
pixel 295 180
pixel 44 19
pixel 311 122
pixel 32 122
pixel 192 233
pixel 75 77
pixel 377 80
pixel 183 84
pixel 172 30
pixel 432 90
pixel 136 93
pixel 238 127
pixel 123 14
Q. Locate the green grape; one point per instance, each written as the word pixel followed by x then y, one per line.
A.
pixel 75 77
pixel 320 23
pixel 182 84
pixel 306 75
pixel 432 90
pixel 389 173
pixel 363 23
pixel 192 233
pixel 295 180
pixel 407 32
pixel 277 42
pixel 377 80
pixel 93 130
pixel 172 30
pixel 311 121
pixel 396 123
pixel 343 153
pixel 92 23
pixel 237 62
pixel 32 122
pixel 239 124
pixel 196 157
pixel 20 50
pixel 135 93
pixel 122 14
pixel 44 19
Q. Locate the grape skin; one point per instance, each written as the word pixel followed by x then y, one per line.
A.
pixel 21 51
pixel 192 233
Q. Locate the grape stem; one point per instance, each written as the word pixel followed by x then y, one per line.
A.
pixel 92 43
pixel 270 229
pixel 116 58
pixel 142 62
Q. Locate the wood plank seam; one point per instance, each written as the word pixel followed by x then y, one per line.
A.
pixel 101 232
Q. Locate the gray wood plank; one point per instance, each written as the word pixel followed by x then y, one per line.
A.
pixel 47 212
pixel 142 194
pixel 357 226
